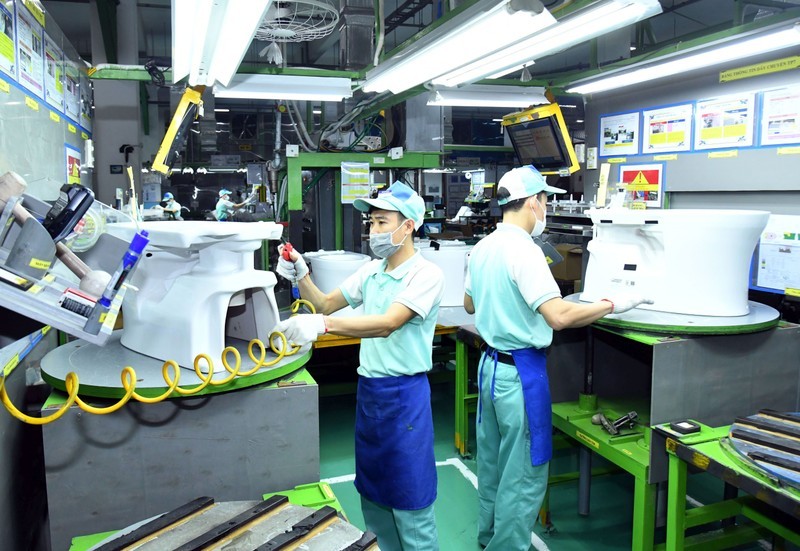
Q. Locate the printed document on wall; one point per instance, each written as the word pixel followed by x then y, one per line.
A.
pixel 779 253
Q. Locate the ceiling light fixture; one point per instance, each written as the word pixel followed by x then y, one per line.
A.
pixel 210 37
pixel 485 27
pixel 481 95
pixel 286 87
pixel 575 28
pixel 733 49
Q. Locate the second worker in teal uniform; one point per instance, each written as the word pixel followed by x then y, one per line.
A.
pixel 517 304
pixel 395 464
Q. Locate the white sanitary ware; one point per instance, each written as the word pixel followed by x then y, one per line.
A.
pixel 330 268
pixel 451 257
pixel 196 285
pixel 687 261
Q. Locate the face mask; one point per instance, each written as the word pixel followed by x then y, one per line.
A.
pixel 539 226
pixel 381 243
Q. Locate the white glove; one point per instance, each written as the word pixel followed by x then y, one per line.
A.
pixel 303 328
pixel 624 303
pixel 293 271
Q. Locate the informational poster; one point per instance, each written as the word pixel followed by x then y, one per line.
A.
pixel 780 117
pixel 355 182
pixel 8 51
pixel 53 73
pixel 86 103
pixel 779 254
pixel 643 184
pixel 619 134
pixel 73 159
pixel 667 129
pixel 30 52
pixel 72 93
pixel 725 122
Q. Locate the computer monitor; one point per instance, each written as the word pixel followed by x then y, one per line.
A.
pixel 540 138
pixel 187 111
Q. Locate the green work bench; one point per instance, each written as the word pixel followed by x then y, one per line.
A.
pixel 468 344
pixel 772 508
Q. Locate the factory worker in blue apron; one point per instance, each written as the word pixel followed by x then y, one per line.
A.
pixel 517 305
pixel 400 292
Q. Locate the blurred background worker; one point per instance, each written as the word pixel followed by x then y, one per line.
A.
pixel 517 305
pixel 395 464
pixel 226 207
pixel 172 207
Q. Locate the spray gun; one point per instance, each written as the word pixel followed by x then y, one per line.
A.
pixel 287 249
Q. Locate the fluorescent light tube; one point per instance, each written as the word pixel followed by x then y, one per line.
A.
pixel 481 29
pixel 740 49
pixel 286 87
pixel 488 96
pixel 573 29
pixel 210 37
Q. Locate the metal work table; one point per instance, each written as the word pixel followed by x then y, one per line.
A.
pixel 710 378
pixel 238 440
pixel 446 324
pixel 773 509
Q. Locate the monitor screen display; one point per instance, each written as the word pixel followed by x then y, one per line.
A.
pixel 540 138
pixel 537 143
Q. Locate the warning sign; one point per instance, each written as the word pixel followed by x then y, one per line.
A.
pixel 643 184
pixel 641 180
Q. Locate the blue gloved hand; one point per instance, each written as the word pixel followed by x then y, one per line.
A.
pixel 302 329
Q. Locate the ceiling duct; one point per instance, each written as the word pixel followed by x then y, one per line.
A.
pixel 355 40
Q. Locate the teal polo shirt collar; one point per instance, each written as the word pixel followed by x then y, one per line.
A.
pixel 400 271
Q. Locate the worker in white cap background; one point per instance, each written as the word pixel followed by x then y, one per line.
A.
pixel 517 305
pixel 400 292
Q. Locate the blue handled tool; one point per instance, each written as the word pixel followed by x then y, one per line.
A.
pixel 287 249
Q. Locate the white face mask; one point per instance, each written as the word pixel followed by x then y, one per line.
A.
pixel 539 226
pixel 381 243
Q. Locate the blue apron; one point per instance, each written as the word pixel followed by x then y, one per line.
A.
pixel 531 364
pixel 395 465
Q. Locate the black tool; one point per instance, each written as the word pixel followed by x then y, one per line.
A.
pixel 73 202
pixel 613 427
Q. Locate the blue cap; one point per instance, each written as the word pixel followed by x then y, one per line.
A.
pixel 224 192
pixel 139 242
pixel 168 196
pixel 398 197
pixel 523 182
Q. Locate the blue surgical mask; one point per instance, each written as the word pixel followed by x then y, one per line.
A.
pixel 381 243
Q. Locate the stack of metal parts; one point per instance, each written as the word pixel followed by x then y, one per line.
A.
pixel 770 442
pixel 243 526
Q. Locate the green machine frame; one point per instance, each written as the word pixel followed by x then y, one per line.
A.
pixel 377 161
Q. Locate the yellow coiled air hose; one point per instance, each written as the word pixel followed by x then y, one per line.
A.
pixel 128 376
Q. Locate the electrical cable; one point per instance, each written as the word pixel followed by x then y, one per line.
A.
pixel 128 376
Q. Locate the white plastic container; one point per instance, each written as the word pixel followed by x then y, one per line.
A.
pixel 451 257
pixel 330 268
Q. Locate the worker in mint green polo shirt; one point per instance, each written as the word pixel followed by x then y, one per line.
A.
pixel 400 292
pixel 517 305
